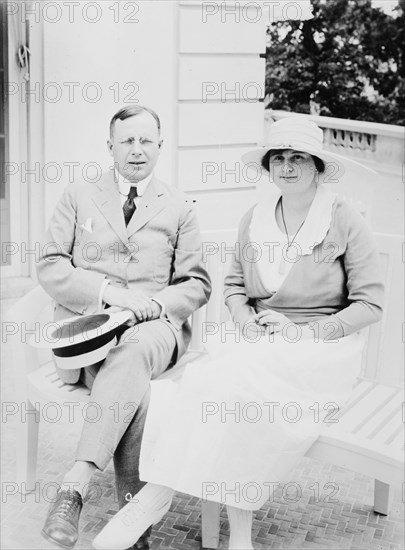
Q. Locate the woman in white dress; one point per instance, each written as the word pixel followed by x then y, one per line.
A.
pixel 305 282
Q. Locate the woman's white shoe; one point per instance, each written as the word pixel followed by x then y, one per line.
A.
pixel 128 525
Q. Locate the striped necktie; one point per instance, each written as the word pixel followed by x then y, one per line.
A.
pixel 129 205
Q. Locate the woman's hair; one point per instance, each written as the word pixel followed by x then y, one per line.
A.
pixel 319 164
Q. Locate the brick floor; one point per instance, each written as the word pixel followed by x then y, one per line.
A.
pixel 327 508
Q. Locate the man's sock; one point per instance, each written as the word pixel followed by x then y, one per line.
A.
pixel 240 525
pixel 78 478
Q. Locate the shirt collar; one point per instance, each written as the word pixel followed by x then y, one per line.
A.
pixel 125 185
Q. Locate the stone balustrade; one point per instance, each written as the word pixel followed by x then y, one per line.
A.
pixel 381 146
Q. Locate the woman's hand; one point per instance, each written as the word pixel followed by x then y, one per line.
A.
pixel 250 329
pixel 273 321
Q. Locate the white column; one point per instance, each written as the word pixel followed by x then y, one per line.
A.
pixel 221 83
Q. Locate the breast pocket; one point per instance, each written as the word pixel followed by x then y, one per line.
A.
pixel 86 249
pixel 82 235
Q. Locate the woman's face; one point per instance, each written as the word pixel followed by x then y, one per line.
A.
pixel 292 171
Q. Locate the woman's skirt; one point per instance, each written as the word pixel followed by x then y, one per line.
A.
pixel 238 422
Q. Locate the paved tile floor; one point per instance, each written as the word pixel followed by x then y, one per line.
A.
pixel 326 508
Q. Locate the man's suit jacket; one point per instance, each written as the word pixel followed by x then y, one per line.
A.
pixel 159 253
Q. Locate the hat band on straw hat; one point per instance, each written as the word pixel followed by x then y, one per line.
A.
pixel 83 340
pixel 85 359
pixel 84 347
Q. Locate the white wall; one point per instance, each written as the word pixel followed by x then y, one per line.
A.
pixel 199 68
pixel 221 82
pixel 129 61
pixel 164 59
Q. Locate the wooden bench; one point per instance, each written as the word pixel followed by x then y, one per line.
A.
pixel 367 438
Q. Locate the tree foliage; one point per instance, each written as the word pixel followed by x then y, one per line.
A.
pixel 346 62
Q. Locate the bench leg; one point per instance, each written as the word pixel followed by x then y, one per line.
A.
pixel 27 449
pixel 210 523
pixel 382 497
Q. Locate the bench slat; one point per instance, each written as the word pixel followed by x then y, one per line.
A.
pixel 44 387
pixel 359 391
pixel 358 413
pixel 398 440
pixel 380 428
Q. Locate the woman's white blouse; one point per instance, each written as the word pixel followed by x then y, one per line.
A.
pixel 274 257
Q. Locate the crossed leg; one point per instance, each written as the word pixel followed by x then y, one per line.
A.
pixel 119 398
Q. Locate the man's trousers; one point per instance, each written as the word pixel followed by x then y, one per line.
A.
pixel 120 390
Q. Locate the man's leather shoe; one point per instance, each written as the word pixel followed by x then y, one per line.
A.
pixel 61 525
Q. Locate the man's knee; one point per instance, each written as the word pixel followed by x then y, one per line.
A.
pixel 149 341
pixel 136 344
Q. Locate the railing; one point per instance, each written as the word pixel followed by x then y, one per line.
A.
pixel 379 145
pixel 359 141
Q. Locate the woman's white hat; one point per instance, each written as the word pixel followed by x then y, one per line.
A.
pixel 302 134
pixel 82 340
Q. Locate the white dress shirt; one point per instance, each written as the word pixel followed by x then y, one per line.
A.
pixel 124 186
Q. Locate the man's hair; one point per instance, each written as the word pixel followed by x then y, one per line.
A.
pixel 133 110
pixel 319 164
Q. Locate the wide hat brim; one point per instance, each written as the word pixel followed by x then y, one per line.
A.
pixel 335 165
pixel 82 340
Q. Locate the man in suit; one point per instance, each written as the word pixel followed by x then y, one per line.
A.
pixel 130 241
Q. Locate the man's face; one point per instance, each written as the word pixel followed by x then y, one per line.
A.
pixel 135 146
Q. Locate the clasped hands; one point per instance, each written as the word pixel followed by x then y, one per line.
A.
pixel 266 322
pixel 327 328
pixel 143 307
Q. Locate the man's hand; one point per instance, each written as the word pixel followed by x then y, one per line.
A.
pixel 273 321
pixel 157 310
pixel 144 308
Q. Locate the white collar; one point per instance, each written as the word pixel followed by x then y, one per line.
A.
pixel 125 185
pixel 313 231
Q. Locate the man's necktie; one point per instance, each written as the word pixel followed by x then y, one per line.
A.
pixel 129 205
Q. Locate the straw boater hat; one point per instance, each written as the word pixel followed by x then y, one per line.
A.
pixel 82 340
pixel 301 134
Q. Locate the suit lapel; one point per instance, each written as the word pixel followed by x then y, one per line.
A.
pixel 151 204
pixel 108 202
